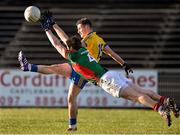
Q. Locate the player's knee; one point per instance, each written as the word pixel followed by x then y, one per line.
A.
pixel 71 99
pixel 142 98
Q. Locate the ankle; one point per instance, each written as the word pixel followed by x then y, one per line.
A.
pixel 72 123
pixel 33 67
pixel 156 107
pixel 161 100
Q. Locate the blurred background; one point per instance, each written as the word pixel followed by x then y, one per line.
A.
pixel 145 33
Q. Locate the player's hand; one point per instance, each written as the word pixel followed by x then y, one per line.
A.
pixel 49 17
pixel 47 20
pixel 127 69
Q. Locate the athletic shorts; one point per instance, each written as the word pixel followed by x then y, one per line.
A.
pixel 114 83
pixel 77 79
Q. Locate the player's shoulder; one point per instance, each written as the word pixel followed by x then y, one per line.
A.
pixel 91 36
pixel 95 36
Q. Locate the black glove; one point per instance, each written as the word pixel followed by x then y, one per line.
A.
pixel 127 69
pixel 47 20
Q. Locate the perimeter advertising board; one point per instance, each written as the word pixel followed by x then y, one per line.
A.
pixel 18 89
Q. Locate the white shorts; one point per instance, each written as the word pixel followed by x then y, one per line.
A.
pixel 114 83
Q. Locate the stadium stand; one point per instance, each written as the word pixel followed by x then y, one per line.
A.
pixel 11 21
pixel 145 33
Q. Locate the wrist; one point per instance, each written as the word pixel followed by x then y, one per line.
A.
pixel 124 64
pixel 53 23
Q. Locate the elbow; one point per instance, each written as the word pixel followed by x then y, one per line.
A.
pixel 65 56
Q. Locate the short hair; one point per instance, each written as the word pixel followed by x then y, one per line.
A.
pixel 84 21
pixel 74 42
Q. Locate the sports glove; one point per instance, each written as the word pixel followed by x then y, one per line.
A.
pixel 127 68
pixel 47 20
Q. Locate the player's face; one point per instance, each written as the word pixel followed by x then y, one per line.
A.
pixel 82 30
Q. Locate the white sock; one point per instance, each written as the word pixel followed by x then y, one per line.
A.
pixel 72 126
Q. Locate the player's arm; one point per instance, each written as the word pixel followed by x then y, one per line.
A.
pixel 48 21
pixel 57 44
pixel 113 55
pixel 118 59
pixel 62 35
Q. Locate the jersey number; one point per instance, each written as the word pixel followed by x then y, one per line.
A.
pixel 90 58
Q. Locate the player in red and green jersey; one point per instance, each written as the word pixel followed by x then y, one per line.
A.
pixel 87 66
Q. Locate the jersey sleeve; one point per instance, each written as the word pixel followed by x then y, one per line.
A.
pixel 104 44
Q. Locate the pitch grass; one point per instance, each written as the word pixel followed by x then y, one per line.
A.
pixel 90 121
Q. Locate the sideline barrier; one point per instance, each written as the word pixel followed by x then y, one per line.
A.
pixel 26 89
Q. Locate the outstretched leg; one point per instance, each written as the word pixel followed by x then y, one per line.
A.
pixel 60 69
pixel 132 94
pixel 170 102
pixel 155 96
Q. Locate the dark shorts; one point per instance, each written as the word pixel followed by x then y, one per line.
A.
pixel 77 79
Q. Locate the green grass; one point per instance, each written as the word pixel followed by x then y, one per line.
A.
pixel 90 121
